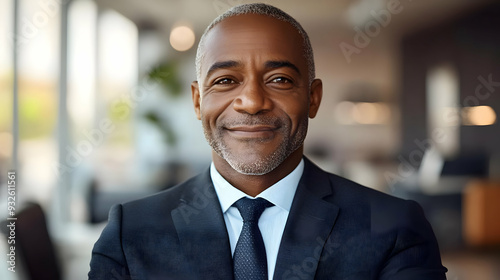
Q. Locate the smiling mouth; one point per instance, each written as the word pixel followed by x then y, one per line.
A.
pixel 252 131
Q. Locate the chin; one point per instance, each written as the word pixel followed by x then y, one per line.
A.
pixel 252 169
pixel 254 165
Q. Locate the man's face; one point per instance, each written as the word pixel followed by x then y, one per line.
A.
pixel 253 97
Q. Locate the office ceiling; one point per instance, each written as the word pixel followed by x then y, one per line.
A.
pixel 163 14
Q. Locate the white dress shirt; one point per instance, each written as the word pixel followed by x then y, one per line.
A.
pixel 273 219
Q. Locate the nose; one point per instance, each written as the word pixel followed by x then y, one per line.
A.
pixel 253 99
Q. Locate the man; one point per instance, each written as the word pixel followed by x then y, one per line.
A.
pixel 254 93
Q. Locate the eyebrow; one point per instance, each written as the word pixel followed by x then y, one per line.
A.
pixel 273 64
pixel 223 65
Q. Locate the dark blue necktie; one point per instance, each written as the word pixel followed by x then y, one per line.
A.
pixel 249 257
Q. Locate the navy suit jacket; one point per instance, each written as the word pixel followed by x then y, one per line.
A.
pixel 336 229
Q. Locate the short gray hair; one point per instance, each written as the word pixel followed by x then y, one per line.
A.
pixel 266 10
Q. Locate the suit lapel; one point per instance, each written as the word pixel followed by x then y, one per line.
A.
pixel 202 231
pixel 309 225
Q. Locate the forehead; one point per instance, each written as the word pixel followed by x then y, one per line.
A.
pixel 250 37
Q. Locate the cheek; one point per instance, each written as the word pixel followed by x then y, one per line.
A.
pixel 211 108
pixel 297 111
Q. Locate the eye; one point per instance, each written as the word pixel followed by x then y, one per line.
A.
pixel 224 81
pixel 281 80
pixel 281 83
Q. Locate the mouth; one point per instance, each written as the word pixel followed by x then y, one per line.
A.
pixel 252 131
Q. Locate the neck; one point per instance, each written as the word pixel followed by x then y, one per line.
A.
pixel 255 184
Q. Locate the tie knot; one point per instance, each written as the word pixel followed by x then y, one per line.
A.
pixel 251 209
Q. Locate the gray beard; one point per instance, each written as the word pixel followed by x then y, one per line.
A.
pixel 264 165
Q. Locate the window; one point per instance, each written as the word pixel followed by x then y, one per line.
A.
pixel 38 54
pixel 442 110
pixel 6 85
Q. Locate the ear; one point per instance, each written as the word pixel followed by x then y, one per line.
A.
pixel 195 94
pixel 315 96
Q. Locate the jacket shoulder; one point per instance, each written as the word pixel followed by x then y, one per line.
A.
pixel 169 199
pixel 353 199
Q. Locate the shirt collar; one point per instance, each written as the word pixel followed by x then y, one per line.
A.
pixel 280 194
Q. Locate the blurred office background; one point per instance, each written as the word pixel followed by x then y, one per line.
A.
pixel 95 109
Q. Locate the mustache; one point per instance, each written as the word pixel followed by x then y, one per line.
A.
pixel 251 120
